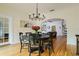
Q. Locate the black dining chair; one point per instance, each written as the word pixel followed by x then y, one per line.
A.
pixel 23 40
pixel 48 43
pixel 34 43
pixel 77 47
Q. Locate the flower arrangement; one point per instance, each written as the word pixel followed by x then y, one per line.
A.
pixel 36 28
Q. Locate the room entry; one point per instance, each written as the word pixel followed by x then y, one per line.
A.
pixel 4 30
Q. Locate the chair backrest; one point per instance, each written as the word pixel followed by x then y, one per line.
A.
pixel 23 38
pixel 77 39
pixel 33 38
pixel 20 36
pixel 52 34
pixel 27 35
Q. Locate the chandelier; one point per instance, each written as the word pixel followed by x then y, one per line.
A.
pixel 37 15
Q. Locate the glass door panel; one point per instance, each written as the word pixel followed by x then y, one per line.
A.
pixel 4 30
pixel 1 31
pixel 6 34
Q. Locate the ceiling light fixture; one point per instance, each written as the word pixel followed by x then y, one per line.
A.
pixel 37 16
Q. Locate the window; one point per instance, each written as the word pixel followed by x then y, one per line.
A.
pixel 4 30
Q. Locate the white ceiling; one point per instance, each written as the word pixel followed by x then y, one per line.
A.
pixel 30 7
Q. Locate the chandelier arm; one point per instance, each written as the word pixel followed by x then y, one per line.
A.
pixel 43 16
pixel 36 9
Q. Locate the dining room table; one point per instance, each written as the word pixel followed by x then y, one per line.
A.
pixel 42 37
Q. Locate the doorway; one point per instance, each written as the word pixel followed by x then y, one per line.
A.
pixel 4 30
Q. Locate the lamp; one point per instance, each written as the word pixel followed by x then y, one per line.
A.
pixel 37 16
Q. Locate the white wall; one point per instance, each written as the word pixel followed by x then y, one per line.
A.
pixel 10 21
pixel 71 16
pixel 69 13
pixel 11 36
pixel 58 25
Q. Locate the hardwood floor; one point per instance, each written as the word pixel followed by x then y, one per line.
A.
pixel 60 48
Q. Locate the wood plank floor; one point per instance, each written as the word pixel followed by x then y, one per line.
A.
pixel 60 48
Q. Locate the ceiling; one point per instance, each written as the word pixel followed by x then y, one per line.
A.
pixel 29 8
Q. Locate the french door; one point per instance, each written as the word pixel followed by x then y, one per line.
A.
pixel 4 30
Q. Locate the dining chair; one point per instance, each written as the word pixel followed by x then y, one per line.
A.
pixel 34 44
pixel 48 43
pixel 23 40
pixel 77 45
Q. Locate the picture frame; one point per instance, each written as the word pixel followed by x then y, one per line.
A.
pixel 25 24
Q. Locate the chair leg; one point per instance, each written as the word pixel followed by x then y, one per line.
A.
pixel 39 51
pixel 21 49
pixel 29 50
pixel 30 54
pixel 39 48
pixel 49 51
pixel 52 48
